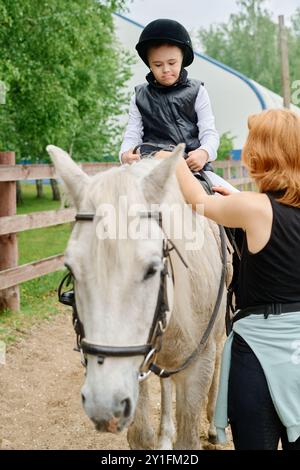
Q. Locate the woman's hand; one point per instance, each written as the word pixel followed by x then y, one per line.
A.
pixel 130 157
pixel 221 190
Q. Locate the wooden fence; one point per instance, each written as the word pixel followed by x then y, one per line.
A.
pixel 10 224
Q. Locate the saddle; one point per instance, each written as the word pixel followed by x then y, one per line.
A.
pixel 204 179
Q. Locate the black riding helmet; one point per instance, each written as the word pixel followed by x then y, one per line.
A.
pixel 165 31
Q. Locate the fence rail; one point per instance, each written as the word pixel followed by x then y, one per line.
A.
pixel 17 275
pixel 42 171
pixel 10 224
pixel 19 223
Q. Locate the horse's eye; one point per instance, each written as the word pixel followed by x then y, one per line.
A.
pixel 150 272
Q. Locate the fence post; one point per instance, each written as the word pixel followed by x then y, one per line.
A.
pixel 227 170
pixel 9 298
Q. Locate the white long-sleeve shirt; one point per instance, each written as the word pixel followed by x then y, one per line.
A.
pixel 208 135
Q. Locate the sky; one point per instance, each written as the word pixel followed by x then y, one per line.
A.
pixel 194 14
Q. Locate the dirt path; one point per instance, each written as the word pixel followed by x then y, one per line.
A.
pixel 40 394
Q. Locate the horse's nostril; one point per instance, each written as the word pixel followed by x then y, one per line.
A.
pixel 127 407
pixel 82 398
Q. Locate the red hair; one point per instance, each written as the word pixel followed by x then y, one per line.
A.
pixel 272 153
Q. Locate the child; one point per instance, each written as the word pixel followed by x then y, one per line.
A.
pixel 171 108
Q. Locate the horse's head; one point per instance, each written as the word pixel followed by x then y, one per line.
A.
pixel 118 277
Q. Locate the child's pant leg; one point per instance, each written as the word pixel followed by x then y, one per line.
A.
pixel 219 181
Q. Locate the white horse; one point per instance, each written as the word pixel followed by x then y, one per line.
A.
pixel 117 284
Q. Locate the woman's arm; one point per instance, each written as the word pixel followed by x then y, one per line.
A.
pixel 234 210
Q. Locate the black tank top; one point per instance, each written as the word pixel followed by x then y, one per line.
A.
pixel 273 274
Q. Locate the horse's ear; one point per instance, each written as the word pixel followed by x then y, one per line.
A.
pixel 72 176
pixel 155 183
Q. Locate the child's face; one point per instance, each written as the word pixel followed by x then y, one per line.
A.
pixel 165 63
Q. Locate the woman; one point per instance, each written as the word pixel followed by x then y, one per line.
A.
pixel 260 378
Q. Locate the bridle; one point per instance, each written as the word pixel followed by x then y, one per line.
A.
pixel 160 318
pixel 159 322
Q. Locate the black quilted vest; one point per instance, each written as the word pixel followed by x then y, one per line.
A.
pixel 168 113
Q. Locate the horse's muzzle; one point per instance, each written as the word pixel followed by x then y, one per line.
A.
pixel 120 416
pixel 113 425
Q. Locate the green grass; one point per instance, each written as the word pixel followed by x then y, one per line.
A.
pixel 32 204
pixel 38 296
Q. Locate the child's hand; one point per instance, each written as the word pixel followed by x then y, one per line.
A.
pixel 197 159
pixel 130 157
pixel 221 190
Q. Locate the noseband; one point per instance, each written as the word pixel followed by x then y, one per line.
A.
pixel 159 323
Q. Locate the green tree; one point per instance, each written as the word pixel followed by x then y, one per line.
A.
pixel 65 74
pixel 226 146
pixel 248 43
